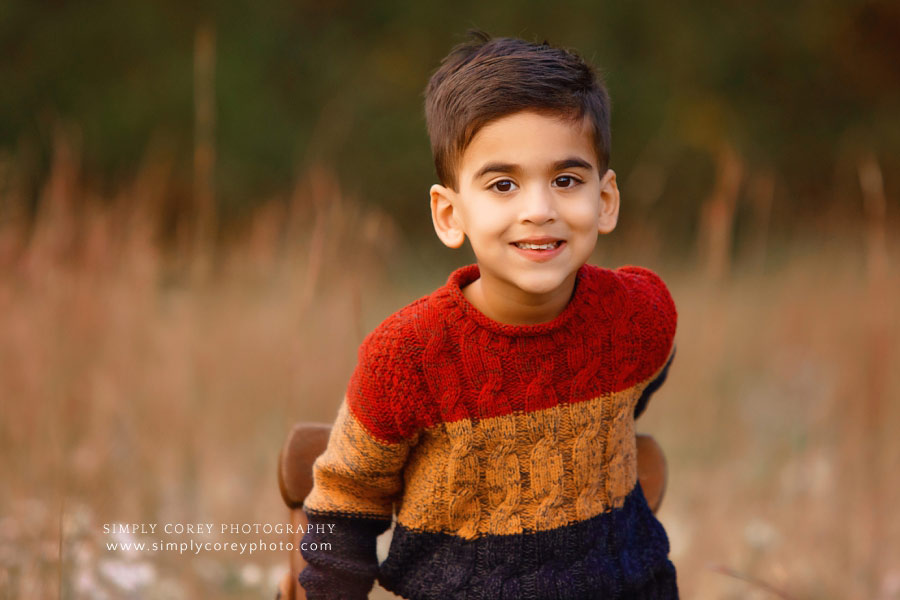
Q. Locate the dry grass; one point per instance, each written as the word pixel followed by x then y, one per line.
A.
pixel 144 385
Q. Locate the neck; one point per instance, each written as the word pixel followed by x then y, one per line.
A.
pixel 511 306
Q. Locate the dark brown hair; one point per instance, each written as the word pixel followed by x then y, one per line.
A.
pixel 486 78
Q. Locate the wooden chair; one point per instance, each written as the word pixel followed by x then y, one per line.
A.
pixel 307 441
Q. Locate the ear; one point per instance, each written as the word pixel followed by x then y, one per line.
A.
pixel 444 217
pixel 609 202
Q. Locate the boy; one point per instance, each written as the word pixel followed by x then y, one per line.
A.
pixel 496 415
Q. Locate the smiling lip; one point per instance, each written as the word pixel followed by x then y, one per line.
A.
pixel 539 255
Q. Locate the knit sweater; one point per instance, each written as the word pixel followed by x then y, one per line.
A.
pixel 507 452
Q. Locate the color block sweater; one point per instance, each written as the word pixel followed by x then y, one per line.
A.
pixel 507 452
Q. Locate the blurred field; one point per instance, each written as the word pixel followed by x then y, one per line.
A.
pixel 145 380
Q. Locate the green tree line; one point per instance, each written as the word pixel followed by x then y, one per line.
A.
pixel 795 89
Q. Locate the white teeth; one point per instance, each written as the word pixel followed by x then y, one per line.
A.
pixel 526 246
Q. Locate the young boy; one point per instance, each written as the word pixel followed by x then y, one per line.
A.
pixel 496 415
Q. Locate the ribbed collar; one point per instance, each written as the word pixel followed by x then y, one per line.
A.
pixel 465 275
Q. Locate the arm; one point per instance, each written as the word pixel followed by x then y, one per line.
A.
pixel 360 475
pixel 654 385
pixel 655 319
pixel 355 483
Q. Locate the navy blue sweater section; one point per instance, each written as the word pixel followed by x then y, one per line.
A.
pixel 620 554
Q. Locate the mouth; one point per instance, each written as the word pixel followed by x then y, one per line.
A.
pixel 544 245
pixel 539 250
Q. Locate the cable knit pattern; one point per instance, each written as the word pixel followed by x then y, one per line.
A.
pixel 507 453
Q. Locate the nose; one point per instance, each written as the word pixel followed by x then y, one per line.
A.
pixel 538 206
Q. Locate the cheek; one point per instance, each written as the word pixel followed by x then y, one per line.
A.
pixel 583 217
pixel 488 219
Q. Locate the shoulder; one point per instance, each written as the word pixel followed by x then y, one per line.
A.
pixel 388 376
pixel 648 292
pixel 651 313
pixel 395 336
pixel 629 289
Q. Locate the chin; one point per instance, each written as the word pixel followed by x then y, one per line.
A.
pixel 540 285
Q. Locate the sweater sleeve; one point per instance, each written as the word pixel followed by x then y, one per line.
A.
pixel 654 385
pixel 656 319
pixel 360 475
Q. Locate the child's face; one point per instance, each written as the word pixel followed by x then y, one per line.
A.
pixel 531 202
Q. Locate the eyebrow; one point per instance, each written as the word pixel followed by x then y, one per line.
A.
pixel 498 167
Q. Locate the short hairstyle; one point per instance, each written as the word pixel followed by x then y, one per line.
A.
pixel 484 79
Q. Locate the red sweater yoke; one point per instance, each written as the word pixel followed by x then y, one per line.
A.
pixel 440 359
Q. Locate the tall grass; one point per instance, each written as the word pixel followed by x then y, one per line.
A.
pixel 146 379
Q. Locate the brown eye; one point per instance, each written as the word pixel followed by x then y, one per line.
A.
pixel 503 186
pixel 569 181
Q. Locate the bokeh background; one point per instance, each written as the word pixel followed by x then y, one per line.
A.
pixel 204 207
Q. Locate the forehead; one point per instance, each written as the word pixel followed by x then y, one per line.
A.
pixel 530 140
